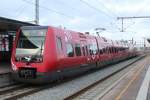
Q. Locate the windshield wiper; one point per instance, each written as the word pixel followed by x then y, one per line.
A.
pixel 36 54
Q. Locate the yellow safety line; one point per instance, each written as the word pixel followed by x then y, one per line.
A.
pixel 130 82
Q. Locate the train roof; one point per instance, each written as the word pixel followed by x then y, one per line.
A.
pixel 105 41
pixel 34 27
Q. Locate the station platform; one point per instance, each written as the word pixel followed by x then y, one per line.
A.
pixel 5 67
pixel 134 85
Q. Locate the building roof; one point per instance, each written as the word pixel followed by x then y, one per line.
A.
pixel 7 24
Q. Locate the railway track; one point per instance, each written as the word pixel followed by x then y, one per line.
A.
pixel 102 86
pixel 16 91
pixel 6 80
pixel 70 89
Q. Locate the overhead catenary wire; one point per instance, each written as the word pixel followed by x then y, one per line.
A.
pixel 114 14
pixel 51 10
pixel 70 6
pixel 137 13
pixel 96 9
pixel 101 3
pixel 65 15
pixel 20 11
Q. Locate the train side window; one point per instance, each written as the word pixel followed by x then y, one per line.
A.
pixel 114 50
pixel 86 49
pixel 70 51
pixel 111 50
pixel 77 49
pixel 104 50
pixel 101 51
pixel 59 43
pixel 91 49
pixel 83 49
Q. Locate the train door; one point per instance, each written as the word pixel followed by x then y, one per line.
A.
pixel 84 49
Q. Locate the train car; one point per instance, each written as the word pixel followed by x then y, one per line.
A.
pixel 44 54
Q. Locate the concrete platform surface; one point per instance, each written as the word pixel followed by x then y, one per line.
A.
pixel 134 86
pixel 5 67
pixel 148 94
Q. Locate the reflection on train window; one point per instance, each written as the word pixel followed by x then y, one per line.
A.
pixel 59 43
pixel 70 51
pixel 77 50
pixel 93 49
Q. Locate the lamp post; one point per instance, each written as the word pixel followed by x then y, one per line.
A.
pixel 98 30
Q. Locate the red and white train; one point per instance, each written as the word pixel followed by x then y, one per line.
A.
pixel 43 54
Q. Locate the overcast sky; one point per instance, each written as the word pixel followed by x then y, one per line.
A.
pixel 85 15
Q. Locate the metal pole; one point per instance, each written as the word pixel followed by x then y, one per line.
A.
pixel 134 17
pixel 122 25
pixel 37 11
pixel 144 43
pixel 132 40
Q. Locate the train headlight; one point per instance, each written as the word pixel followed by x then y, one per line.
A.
pixel 18 58
pixel 40 59
pixel 14 67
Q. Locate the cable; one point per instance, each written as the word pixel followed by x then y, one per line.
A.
pixel 70 6
pixel 60 13
pixel 137 13
pixel 98 10
pixel 20 11
pixel 106 8
pixel 4 14
pixel 48 9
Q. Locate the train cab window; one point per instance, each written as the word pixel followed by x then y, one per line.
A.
pixel 70 51
pixel 59 43
pixel 77 49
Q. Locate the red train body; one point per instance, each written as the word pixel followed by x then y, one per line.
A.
pixel 44 54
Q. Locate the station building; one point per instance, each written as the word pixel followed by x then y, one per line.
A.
pixel 8 28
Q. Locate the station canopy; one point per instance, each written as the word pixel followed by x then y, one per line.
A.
pixel 11 24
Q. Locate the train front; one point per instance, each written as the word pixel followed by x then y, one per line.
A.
pixel 28 54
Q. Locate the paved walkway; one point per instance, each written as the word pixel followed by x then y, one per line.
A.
pixel 135 86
